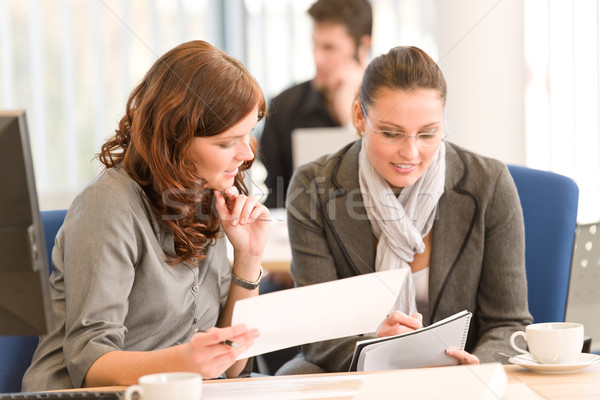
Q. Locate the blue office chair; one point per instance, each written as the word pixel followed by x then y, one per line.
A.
pixel 549 203
pixel 16 352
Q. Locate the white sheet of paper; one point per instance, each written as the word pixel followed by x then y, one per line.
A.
pixel 318 312
pixel 299 387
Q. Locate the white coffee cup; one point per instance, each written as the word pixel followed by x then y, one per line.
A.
pixel 552 342
pixel 168 385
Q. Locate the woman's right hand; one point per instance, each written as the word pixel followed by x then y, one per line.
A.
pixel 398 322
pixel 244 221
pixel 208 354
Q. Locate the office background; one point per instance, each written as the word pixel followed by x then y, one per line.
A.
pixel 523 75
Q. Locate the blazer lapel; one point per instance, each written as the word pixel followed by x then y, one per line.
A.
pixel 346 216
pixel 452 228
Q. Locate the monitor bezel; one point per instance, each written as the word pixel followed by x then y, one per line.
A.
pixel 25 302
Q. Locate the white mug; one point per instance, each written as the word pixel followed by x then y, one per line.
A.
pixel 552 342
pixel 168 385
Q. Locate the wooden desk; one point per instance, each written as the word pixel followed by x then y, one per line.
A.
pixel 581 385
pixel 276 266
pixel 584 384
pixel 278 253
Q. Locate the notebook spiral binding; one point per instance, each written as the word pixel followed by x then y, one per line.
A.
pixel 466 333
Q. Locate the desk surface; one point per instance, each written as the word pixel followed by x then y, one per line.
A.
pixel 583 384
pixel 523 384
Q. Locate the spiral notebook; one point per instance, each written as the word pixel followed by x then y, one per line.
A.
pixel 425 347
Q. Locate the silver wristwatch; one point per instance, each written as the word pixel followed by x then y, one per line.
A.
pixel 244 283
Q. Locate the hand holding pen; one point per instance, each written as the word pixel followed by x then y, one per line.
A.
pixel 226 341
pixel 215 350
pixel 398 322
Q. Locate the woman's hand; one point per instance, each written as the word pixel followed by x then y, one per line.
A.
pixel 245 222
pixel 208 354
pixel 397 322
pixel 462 356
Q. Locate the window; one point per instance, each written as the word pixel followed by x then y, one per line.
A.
pixel 72 64
pixel 279 44
pixel 562 50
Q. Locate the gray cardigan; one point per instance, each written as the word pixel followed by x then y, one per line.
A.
pixel 477 257
pixel 112 288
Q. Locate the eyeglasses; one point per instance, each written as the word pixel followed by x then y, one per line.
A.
pixel 423 139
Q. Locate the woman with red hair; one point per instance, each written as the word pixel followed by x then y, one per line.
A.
pixel 141 282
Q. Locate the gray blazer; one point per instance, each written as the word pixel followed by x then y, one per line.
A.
pixel 477 257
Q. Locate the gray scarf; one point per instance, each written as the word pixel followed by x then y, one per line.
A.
pixel 400 223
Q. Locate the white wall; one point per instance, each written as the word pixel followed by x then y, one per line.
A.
pixel 480 51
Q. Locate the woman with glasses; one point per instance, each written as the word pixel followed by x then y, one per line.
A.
pixel 403 197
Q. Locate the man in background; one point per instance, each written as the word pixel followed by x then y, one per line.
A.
pixel 342 42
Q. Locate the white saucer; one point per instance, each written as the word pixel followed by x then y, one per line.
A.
pixel 583 360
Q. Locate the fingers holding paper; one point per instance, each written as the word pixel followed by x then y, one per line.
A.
pixel 398 322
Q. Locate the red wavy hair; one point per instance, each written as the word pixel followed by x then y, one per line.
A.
pixel 193 90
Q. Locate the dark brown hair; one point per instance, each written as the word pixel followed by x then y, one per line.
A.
pixel 194 90
pixel 355 15
pixel 402 68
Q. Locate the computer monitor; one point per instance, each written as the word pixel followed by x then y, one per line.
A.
pixel 25 305
pixel 308 144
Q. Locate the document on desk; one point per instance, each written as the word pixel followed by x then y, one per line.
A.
pixel 299 387
pixel 465 382
pixel 323 311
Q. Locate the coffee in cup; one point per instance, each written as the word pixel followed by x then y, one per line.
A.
pixel 551 342
pixel 168 385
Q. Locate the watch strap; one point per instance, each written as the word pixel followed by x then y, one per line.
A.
pixel 244 283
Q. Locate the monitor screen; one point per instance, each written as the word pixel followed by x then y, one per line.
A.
pixel 25 305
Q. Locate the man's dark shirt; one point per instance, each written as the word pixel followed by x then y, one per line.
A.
pixel 301 106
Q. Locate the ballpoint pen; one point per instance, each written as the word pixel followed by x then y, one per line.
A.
pixel 226 341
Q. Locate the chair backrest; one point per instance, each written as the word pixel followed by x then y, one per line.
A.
pixel 549 203
pixel 52 220
pixel 16 352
